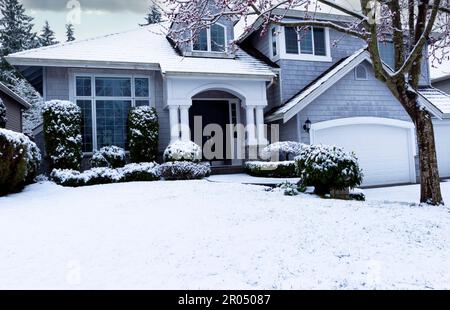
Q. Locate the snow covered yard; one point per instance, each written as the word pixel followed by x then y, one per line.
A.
pixel 205 235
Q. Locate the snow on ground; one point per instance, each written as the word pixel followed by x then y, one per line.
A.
pixel 206 235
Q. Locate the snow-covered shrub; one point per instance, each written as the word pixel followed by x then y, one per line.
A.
pixel 282 151
pixel 184 170
pixel 281 169
pixel 142 172
pixel 183 151
pixel 328 168
pixel 357 194
pixel 19 164
pixel 110 157
pixel 143 134
pixel 62 131
pixel 2 114
pixel 97 176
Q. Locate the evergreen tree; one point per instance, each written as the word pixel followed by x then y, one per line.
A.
pixel 47 36
pixel 16 35
pixel 70 33
pixel 153 16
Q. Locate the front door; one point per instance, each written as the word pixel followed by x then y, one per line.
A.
pixel 212 112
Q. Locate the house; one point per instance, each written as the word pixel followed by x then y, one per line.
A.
pixel 14 107
pixel 306 88
pixel 442 83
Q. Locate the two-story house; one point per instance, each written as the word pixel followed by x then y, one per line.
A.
pixel 317 88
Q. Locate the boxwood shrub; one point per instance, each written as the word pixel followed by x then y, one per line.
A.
pixel 62 132
pixel 184 170
pixel 110 157
pixel 282 169
pixel 143 134
pixel 183 151
pixel 19 164
pixel 282 151
pixel 328 168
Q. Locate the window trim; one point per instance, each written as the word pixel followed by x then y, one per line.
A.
pixel 307 57
pixel 277 42
pixel 208 41
pixel 94 98
pixel 365 70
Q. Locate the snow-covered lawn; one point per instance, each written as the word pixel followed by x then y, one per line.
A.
pixel 205 235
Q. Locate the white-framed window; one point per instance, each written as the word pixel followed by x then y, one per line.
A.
pixel 361 72
pixel 311 43
pixel 211 39
pixel 274 41
pixel 105 101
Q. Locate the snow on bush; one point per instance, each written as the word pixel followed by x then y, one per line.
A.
pixel 183 151
pixel 281 169
pixel 19 164
pixel 184 170
pixel 143 134
pixel 109 156
pixel 2 114
pixel 282 151
pixel 105 175
pixel 62 130
pixel 328 168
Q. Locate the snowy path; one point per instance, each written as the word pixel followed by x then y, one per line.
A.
pixel 192 235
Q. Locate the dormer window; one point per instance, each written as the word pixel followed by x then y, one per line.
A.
pixel 311 43
pixel 211 39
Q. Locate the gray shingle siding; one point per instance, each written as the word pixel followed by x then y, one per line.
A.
pixel 56 83
pixel 13 113
pixel 352 98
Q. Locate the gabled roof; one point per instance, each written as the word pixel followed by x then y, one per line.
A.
pixel 439 100
pixel 143 48
pixel 317 87
pixel 5 89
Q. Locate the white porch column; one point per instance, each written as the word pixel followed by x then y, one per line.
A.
pixel 174 123
pixel 251 130
pixel 261 136
pixel 184 123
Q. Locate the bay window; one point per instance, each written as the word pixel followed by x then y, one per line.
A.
pixel 105 102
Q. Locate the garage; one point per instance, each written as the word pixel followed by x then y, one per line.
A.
pixel 384 147
pixel 442 136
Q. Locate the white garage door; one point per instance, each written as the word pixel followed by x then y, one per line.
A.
pixel 384 151
pixel 442 135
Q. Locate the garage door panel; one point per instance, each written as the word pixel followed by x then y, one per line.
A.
pixel 442 135
pixel 383 151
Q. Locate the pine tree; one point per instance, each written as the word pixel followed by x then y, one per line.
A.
pixel 153 16
pixel 70 33
pixel 15 35
pixel 47 36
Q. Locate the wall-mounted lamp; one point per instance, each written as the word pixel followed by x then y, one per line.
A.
pixel 307 126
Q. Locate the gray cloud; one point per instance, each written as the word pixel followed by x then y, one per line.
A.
pixel 137 6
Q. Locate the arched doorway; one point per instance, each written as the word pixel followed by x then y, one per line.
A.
pixel 213 119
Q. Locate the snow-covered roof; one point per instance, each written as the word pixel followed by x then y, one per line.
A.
pixel 438 99
pixel 317 87
pixel 143 48
pixel 5 89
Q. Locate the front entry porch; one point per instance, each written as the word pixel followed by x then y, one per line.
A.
pixel 221 119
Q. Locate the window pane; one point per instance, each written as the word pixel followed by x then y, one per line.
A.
pixel 291 40
pixel 112 116
pixel 387 53
pixel 141 87
pixel 306 46
pixel 201 42
pixel 83 86
pixel 319 42
pixel 86 126
pixel 217 38
pixel 113 87
pixel 140 103
pixel 274 42
pixel 361 72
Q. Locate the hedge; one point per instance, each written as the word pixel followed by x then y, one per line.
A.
pixel 143 134
pixel 282 169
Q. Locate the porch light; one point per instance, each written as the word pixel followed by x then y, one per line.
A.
pixel 307 126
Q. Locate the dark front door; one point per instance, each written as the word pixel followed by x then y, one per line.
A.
pixel 212 112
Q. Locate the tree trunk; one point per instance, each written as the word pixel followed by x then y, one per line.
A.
pixel 430 191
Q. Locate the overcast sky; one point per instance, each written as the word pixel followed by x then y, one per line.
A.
pixel 97 17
